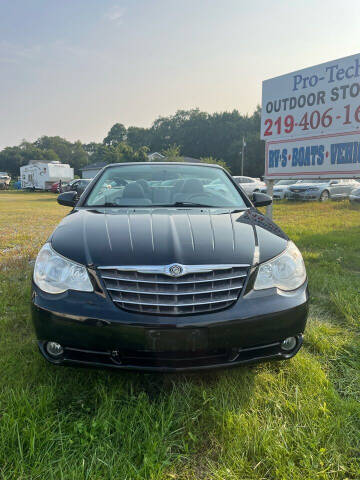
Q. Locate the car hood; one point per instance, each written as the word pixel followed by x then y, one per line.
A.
pixel 305 186
pixel 160 236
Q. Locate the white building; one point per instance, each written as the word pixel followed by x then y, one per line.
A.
pixel 156 157
pixel 91 170
pixel 41 175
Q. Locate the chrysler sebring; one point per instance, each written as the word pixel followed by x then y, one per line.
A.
pixel 158 268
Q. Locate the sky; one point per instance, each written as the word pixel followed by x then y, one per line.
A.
pixel 75 67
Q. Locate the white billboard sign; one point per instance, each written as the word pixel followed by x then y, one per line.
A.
pixel 332 156
pixel 313 108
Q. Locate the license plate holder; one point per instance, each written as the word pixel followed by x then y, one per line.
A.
pixel 176 340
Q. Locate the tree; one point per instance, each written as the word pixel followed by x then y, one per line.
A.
pixel 202 135
pixel 66 152
pixel 79 157
pixel 11 160
pixel 172 154
pixel 90 148
pixel 61 146
pixel 216 162
pixel 190 133
pixel 138 137
pixel 121 152
pixel 141 155
pixel 116 134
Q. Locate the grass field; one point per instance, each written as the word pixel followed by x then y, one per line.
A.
pixel 291 420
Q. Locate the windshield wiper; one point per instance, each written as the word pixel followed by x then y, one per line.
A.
pixel 176 204
pixel 194 204
pixel 189 204
pixel 104 205
pixel 112 205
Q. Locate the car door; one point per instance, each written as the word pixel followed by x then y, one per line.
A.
pixel 256 185
pixel 243 183
pixel 344 188
pixel 249 185
pixel 351 184
pixel 335 188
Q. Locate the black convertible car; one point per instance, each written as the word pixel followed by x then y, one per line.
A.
pixel 167 267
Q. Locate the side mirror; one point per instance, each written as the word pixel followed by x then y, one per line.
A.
pixel 67 198
pixel 261 199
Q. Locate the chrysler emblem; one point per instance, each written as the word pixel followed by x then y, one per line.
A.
pixel 175 270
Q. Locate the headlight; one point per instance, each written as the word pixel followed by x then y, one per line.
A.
pixel 56 274
pixel 286 272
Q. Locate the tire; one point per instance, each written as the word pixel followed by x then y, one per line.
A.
pixel 325 196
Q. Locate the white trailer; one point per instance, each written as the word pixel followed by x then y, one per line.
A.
pixel 41 175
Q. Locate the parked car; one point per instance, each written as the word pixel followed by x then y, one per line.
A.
pixel 280 189
pixel 167 279
pixel 321 190
pixel 55 187
pixel 354 196
pixel 250 185
pixel 78 185
pixel 4 181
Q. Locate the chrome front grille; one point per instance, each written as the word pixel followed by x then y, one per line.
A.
pixel 200 288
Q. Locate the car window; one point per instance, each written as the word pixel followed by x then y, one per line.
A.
pixel 286 182
pixel 148 185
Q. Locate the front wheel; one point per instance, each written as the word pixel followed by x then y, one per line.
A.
pixel 324 197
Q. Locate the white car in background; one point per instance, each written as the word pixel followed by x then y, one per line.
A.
pixel 322 189
pixel 281 189
pixel 250 185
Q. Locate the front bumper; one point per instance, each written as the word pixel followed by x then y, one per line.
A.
pixel 93 331
pixel 354 199
pixel 277 195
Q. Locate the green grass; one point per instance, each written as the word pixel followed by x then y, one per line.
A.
pixel 290 420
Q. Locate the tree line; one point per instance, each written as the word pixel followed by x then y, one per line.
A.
pixel 214 138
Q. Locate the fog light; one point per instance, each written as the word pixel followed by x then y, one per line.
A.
pixel 54 349
pixel 289 344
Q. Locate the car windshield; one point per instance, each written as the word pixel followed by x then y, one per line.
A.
pixel 243 179
pixel 164 185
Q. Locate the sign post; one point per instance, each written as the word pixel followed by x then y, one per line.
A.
pixel 270 191
pixel 243 156
pixel 311 122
